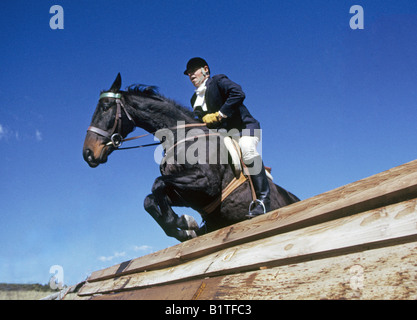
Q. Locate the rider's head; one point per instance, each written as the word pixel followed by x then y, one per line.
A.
pixel 198 71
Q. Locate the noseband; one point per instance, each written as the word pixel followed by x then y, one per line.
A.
pixel 114 136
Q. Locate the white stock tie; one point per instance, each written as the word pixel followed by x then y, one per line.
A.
pixel 200 101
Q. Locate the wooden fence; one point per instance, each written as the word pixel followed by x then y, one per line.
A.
pixel 355 242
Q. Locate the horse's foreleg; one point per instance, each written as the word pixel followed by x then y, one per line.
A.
pixel 158 205
pixel 152 208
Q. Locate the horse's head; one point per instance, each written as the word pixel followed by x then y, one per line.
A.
pixel 110 124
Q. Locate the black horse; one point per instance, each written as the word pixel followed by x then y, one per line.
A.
pixel 183 182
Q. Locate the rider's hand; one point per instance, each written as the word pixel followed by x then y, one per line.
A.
pixel 211 118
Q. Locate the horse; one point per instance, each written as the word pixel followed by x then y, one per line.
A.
pixel 194 184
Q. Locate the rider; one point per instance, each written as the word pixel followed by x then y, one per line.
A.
pixel 218 102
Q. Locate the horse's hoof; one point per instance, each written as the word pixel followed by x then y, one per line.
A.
pixel 191 223
pixel 191 234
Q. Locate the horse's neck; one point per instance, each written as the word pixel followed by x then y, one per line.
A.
pixel 160 116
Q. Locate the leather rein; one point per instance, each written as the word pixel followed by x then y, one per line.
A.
pixel 114 135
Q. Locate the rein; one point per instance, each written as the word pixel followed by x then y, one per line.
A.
pixel 116 138
pixel 191 125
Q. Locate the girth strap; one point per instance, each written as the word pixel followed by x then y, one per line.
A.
pixel 232 186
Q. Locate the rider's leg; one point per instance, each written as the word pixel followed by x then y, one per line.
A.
pixel 253 161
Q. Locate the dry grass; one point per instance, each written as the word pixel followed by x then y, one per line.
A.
pixel 24 291
pixel 23 295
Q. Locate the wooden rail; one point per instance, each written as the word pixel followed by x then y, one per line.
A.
pixel 364 220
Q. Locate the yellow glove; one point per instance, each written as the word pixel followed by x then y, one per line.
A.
pixel 211 118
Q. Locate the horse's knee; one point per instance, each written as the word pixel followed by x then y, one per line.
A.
pixel 152 208
pixel 158 185
pixel 149 202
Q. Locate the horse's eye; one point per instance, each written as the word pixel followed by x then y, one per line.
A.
pixel 106 104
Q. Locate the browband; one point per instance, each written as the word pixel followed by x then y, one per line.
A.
pixel 110 95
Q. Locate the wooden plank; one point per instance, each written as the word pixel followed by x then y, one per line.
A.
pixel 176 291
pixel 395 185
pixel 391 224
pixel 383 273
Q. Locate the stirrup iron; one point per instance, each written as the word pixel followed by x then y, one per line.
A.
pixel 251 205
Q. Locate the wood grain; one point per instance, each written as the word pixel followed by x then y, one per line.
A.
pixel 396 223
pixel 388 273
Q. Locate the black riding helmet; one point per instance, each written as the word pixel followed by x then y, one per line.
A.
pixel 194 64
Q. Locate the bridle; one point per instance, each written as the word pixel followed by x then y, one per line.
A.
pixel 114 135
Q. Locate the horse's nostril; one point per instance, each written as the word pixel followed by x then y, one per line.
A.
pixel 88 155
pixel 89 158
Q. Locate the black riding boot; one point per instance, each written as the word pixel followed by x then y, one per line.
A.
pixel 261 185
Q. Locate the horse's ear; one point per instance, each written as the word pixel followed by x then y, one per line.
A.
pixel 115 87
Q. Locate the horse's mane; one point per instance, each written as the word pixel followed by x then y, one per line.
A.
pixel 152 92
pixel 143 90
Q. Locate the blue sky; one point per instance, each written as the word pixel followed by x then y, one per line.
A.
pixel 336 105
